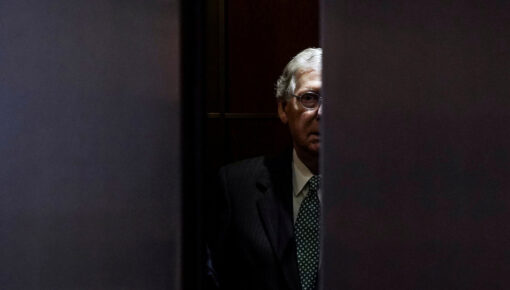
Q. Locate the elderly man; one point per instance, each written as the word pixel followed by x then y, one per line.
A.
pixel 263 221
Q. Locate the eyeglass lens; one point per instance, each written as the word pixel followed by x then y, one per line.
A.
pixel 310 100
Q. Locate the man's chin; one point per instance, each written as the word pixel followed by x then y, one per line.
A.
pixel 314 148
pixel 310 149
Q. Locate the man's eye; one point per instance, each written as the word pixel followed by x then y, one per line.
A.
pixel 308 97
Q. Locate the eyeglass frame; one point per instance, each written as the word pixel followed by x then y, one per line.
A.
pixel 319 101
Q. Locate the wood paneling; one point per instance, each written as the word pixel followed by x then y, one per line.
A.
pixel 252 44
pixel 262 37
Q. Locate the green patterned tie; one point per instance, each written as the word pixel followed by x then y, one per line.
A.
pixel 307 236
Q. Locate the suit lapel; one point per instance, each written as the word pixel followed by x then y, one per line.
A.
pixel 275 209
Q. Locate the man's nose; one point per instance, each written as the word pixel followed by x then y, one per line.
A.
pixel 319 112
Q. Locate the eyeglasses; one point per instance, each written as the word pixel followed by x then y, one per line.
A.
pixel 310 100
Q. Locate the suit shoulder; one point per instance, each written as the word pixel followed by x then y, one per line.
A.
pixel 244 167
pixel 259 168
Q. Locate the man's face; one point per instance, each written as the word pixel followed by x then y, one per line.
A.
pixel 303 123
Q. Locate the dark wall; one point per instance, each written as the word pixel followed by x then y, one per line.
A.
pixel 89 119
pixel 416 157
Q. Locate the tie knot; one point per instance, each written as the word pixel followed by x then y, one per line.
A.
pixel 314 182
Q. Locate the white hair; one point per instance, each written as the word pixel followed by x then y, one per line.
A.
pixel 308 59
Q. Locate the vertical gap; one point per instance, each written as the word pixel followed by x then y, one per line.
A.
pixel 321 129
pixel 214 62
pixel 192 67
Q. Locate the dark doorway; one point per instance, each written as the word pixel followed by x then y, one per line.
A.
pixel 247 45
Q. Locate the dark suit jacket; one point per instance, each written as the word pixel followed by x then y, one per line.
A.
pixel 250 226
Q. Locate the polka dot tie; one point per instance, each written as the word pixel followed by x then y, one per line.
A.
pixel 307 229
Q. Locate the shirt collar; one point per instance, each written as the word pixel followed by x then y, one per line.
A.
pixel 301 173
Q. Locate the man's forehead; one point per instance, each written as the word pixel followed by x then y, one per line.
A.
pixel 303 71
pixel 308 79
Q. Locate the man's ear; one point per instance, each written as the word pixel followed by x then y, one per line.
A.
pixel 281 112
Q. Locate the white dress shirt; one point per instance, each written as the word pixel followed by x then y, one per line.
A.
pixel 300 176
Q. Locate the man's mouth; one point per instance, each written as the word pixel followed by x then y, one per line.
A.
pixel 315 136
